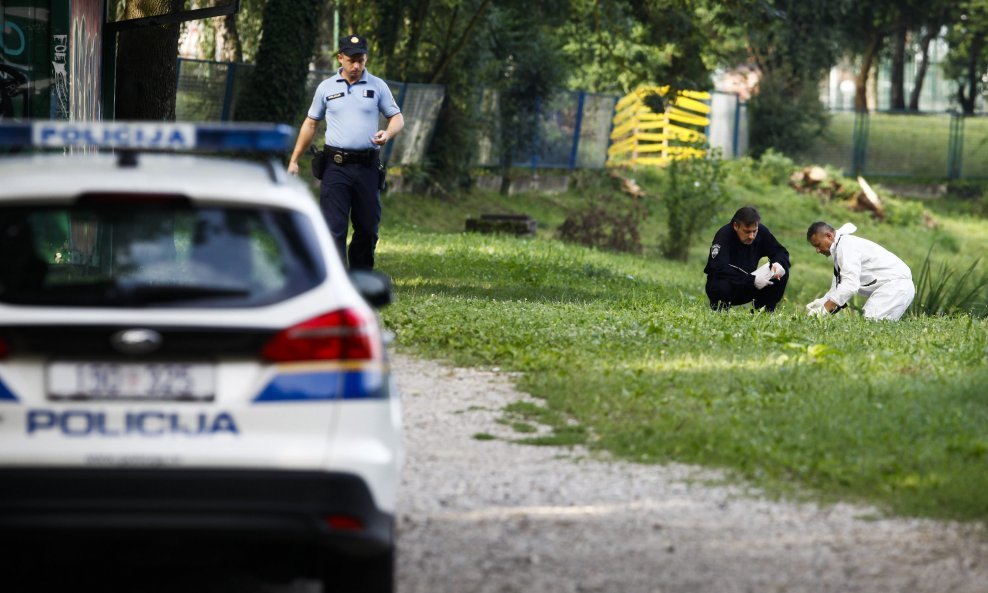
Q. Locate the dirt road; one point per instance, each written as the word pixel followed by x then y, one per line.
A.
pixel 490 516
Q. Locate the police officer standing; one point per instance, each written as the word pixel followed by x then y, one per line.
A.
pixel 351 182
pixel 734 254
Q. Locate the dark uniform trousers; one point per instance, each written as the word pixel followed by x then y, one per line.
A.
pixel 724 295
pixel 351 191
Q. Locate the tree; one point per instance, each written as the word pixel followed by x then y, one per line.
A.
pixel 913 20
pixel 694 195
pixel 619 45
pixel 146 81
pixel 277 86
pixel 868 24
pixel 967 60
pixel 793 43
pixel 900 35
pixel 939 13
pixel 426 41
pixel 528 68
pixel 227 39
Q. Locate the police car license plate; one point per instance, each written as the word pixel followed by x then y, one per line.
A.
pixel 141 381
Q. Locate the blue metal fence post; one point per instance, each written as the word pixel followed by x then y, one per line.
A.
pixel 737 126
pixel 860 143
pixel 231 76
pixel 537 135
pixel 955 146
pixel 577 125
pixel 610 130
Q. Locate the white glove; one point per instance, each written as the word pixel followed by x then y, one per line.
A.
pixel 763 277
pixel 778 270
pixel 817 307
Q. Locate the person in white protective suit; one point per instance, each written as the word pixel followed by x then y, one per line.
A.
pixel 861 267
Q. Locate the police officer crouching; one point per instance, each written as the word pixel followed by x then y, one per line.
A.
pixel 352 177
pixel 734 255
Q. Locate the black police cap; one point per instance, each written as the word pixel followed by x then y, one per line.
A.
pixel 353 44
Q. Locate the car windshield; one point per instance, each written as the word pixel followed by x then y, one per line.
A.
pixel 167 253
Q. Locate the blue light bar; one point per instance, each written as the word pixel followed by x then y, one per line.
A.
pixel 15 134
pixel 150 136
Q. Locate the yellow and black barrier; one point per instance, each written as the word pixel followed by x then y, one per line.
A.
pixel 642 136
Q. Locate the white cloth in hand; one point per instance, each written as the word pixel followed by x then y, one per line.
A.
pixel 817 307
pixel 778 270
pixel 763 277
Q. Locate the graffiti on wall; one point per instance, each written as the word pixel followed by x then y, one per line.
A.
pixel 17 23
pixel 60 77
pixel 86 56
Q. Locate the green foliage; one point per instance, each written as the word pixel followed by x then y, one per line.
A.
pixel 529 68
pixel 786 114
pixel 793 44
pixel 968 56
pixel 966 189
pixel 695 195
pixel 609 222
pixel 903 213
pixel 771 170
pixel 617 45
pixel 626 358
pixel 940 291
pixel 775 167
pixel 276 86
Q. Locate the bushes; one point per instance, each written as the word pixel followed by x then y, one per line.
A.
pixel 772 168
pixel 693 196
pixel 609 223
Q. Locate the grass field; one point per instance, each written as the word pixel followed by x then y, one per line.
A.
pixel 627 357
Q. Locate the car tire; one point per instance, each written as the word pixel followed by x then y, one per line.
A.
pixel 374 574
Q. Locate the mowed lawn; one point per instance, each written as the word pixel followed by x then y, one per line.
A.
pixel 627 358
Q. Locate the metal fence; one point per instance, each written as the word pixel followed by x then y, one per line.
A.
pixel 572 130
pixel 889 144
pixel 573 127
pixel 728 124
pixel 207 91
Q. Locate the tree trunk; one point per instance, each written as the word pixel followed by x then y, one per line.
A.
pixel 146 62
pixel 414 37
pixel 898 97
pixel 969 101
pixel 861 90
pixel 446 58
pixel 505 187
pixel 276 90
pixel 924 64
pixel 228 47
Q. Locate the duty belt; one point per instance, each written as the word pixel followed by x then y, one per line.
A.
pixel 342 156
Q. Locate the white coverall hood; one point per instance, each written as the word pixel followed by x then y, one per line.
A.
pixel 847 229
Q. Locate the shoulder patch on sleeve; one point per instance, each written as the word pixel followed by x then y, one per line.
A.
pixel 714 250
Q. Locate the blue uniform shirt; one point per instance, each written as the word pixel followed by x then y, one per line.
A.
pixel 351 111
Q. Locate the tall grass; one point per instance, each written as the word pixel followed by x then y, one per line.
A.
pixel 941 291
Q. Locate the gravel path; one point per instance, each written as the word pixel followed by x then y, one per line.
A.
pixel 479 516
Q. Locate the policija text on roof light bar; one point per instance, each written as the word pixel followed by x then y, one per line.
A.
pixel 121 136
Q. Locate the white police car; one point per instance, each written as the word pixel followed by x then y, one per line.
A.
pixel 186 367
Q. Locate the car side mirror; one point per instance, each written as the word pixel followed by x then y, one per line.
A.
pixel 375 287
